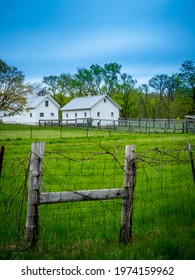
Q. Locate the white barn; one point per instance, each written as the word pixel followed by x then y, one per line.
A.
pixel 40 106
pixel 97 108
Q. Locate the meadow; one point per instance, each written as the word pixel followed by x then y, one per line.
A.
pixel 80 159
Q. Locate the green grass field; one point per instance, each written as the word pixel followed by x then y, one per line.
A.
pixel 77 159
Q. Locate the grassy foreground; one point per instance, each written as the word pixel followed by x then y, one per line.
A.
pixel 76 159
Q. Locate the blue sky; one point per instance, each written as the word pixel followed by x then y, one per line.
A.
pixel 50 37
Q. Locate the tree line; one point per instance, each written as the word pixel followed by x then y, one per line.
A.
pixel 164 96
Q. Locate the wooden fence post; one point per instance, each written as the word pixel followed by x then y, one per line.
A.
pixel 32 217
pixel 191 160
pixel 31 131
pixel 127 203
pixel 1 158
pixel 129 126
pixel 146 127
pixel 165 127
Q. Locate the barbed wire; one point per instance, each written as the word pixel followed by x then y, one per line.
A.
pixel 98 169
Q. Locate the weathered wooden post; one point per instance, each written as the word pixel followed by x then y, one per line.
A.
pixel 1 158
pixel 184 127
pixel 32 218
pixel 31 131
pixel 165 127
pixel 61 131
pixel 128 184
pixel 146 127
pixel 191 160
pixel 174 128
pixel 129 126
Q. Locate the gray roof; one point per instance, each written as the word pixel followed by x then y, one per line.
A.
pixel 86 102
pixel 190 117
pixel 33 100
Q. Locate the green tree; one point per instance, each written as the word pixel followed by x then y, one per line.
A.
pixel 187 76
pixel 126 96
pixel 159 84
pixel 62 99
pixel 52 83
pixel 144 101
pixel 12 89
pixel 97 73
pixel 82 82
pixel 173 84
pixel 65 85
pixel 97 80
pixel 111 74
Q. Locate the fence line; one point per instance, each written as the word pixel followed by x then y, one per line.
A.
pixel 111 128
pixel 163 199
pixel 126 125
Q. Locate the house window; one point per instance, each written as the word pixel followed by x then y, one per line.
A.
pixel 41 114
pixel 104 100
pixel 30 115
pixel 52 114
pixel 66 115
pixel 98 114
pixel 85 114
pixel 75 115
pixel 46 103
pixel 112 114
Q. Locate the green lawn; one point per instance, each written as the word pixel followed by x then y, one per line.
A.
pixel 77 159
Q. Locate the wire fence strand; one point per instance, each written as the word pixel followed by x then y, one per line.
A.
pixel 164 197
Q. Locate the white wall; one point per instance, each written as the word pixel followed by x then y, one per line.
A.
pixel 25 117
pixel 80 114
pixel 106 110
pixel 50 112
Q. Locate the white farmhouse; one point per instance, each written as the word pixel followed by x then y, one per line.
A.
pixel 40 106
pixel 98 109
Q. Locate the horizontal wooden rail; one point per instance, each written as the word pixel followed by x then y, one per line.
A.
pixel 86 195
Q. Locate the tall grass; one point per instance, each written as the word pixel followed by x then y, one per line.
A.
pixel 164 199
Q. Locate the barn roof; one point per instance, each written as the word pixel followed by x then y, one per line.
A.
pixel 86 102
pixel 38 97
pixel 192 117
